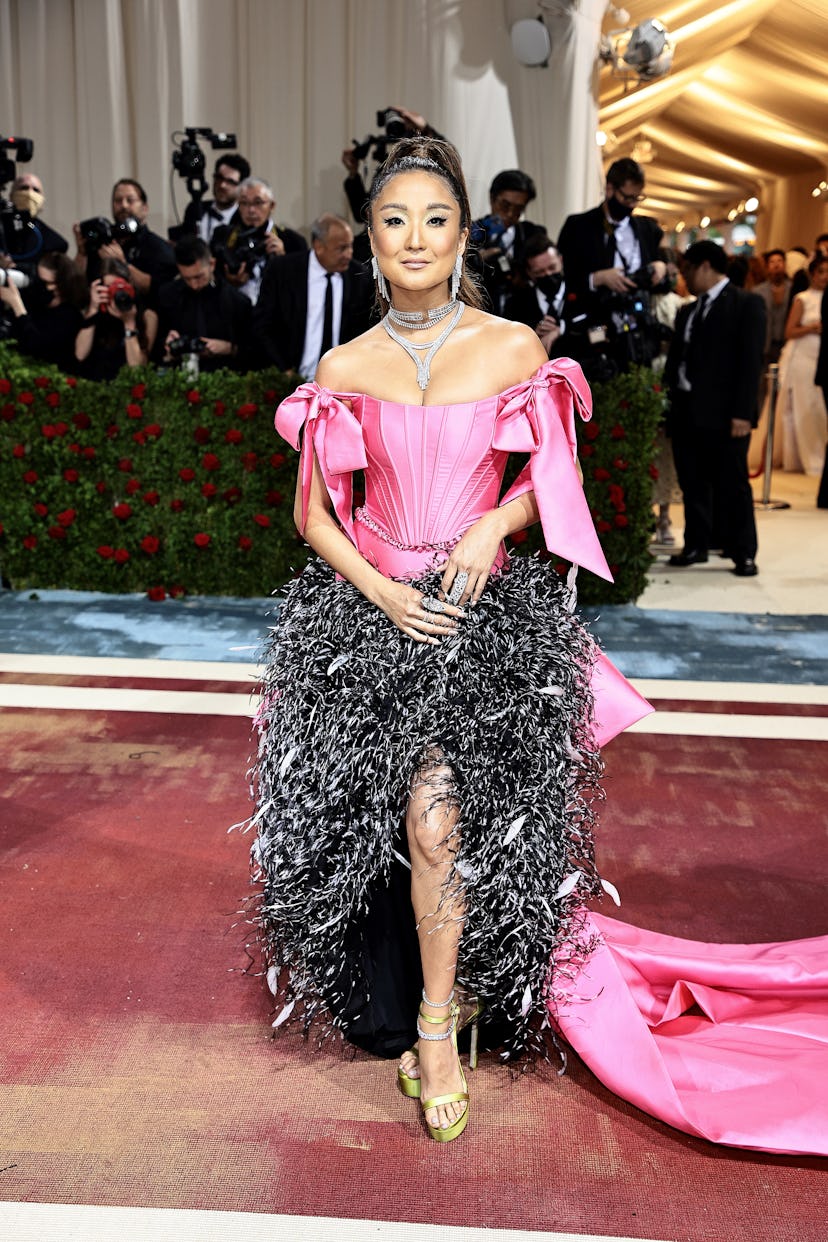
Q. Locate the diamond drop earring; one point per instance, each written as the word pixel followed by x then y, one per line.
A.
pixel 381 282
pixel 456 274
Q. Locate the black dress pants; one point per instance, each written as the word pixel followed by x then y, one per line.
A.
pixel 712 470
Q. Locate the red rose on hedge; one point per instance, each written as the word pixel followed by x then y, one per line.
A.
pixel 208 489
pixel 48 431
pixel 232 495
pixel 122 511
pixel 618 432
pixel 247 410
pixel 134 411
pixel 71 476
pixel 621 520
pixel 57 532
pixel 40 509
pixel 245 543
pixel 139 437
pixel 89 452
pixel 139 391
pixel 156 593
pixel 591 431
pixel 25 398
pixel 210 462
pixel 30 476
pixel 132 487
pixel 19 450
pixel 53 399
pixel 600 474
pixel 7 413
pixel 81 421
pixel 187 474
pixel 176 505
pixel 587 450
pixel 201 435
pixel 73 448
pixel 176 592
pixel 121 556
pixel 42 381
pixel 275 498
pixel 201 540
pixel 153 429
pixel 67 517
pixel 249 461
pixel 71 381
pixel 100 488
pixel 277 460
pixel 194 396
pixel 150 544
pixel 603 527
pixel 620 464
pixel 151 498
pixel 106 551
pixel 125 464
pixel 219 408
pixel 5 387
pixel 30 543
pixel 233 436
pixel 112 431
pixel 261 519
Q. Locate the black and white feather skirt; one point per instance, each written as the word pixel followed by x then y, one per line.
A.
pixel 351 710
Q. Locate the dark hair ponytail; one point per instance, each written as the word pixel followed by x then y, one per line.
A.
pixel 439 159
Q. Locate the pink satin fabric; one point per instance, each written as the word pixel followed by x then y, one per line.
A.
pixel 728 1042
pixel 432 470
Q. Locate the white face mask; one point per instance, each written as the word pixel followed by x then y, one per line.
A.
pixel 29 200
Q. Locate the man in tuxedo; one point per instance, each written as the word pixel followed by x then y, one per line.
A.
pixel 203 218
pixel 540 303
pixel 609 250
pixel 712 371
pixel 310 302
pixel 499 239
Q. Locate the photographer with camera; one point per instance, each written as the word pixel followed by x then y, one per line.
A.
pixel 500 237
pixel 244 249
pixel 198 316
pixel 611 264
pixel 28 199
pixel 540 303
pixel 117 329
pixel 203 217
pixel 45 315
pixel 149 257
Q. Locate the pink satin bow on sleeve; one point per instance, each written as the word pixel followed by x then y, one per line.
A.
pixel 334 435
pixel 538 417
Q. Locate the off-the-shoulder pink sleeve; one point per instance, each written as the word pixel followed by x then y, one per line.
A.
pixel 335 435
pixel 538 417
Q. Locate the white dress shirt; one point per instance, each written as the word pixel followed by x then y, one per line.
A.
pixel 315 321
pixel 212 218
pixel 712 294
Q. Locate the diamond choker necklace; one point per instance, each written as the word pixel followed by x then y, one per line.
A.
pixel 418 321
pixel 424 364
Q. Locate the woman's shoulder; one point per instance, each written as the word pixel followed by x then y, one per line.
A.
pixel 343 368
pixel 513 348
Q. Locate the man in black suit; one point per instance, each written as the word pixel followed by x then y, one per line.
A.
pixel 27 196
pixel 540 303
pixel 821 378
pixel 499 239
pixel 608 250
pixel 310 302
pixel 712 371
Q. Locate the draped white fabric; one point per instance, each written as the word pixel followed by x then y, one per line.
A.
pixel 101 84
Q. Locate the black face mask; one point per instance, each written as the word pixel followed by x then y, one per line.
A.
pixel 37 297
pixel 549 285
pixel 618 210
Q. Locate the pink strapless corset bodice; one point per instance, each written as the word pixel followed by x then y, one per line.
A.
pixel 430 471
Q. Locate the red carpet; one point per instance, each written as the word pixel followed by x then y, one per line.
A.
pixel 137 1065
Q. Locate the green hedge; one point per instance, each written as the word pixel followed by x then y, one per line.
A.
pixel 153 483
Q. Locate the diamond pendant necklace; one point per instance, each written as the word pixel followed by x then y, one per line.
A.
pixel 424 364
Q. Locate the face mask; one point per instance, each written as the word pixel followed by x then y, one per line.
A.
pixel 549 286
pixel 618 210
pixel 28 200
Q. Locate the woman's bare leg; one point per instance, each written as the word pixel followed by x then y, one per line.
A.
pixel 430 823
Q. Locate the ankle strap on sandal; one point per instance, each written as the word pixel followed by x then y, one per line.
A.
pixel 451 1018
pixel 438 1004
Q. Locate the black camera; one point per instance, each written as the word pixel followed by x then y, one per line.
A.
pixel 188 158
pixel 394 128
pixel 248 247
pixel 180 346
pixel 19 235
pixel 97 231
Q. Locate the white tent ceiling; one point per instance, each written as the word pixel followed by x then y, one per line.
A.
pixel 743 111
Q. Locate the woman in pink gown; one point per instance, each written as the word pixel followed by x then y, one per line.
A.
pixel 432 714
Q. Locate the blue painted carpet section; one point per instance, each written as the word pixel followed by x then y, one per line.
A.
pixel 695 646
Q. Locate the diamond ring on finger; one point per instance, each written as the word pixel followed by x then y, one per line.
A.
pixel 432 604
pixel 458 587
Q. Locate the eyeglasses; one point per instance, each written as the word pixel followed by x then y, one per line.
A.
pixel 254 202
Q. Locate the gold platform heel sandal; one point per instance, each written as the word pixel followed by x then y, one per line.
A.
pixel 445 1134
pixel 408 1084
